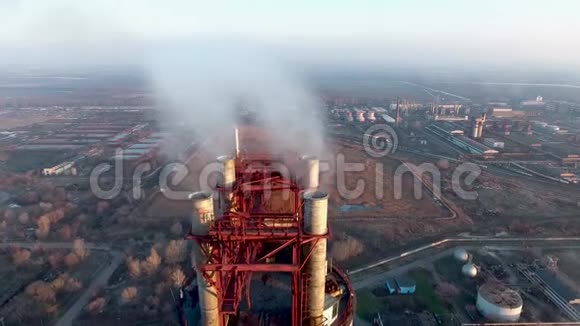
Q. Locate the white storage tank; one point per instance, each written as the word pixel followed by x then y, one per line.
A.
pixel 461 254
pixel 499 303
pixel 469 270
pixel 371 115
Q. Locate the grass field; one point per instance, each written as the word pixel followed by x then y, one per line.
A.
pixel 426 291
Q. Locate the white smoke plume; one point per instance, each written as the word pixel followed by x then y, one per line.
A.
pixel 203 85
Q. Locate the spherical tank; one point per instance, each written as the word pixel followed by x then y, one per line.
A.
pixel 469 270
pixel 461 254
pixel 499 303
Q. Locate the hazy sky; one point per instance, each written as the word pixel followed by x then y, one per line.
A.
pixel 330 31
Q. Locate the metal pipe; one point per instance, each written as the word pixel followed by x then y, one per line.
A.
pixel 201 217
pixel 237 135
pixel 316 223
pixel 310 181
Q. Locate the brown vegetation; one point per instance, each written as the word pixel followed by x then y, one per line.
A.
pixel 129 294
pixel 176 276
pixel 96 306
pixel 347 248
pixel 71 260
pixel 134 267
pixel 80 249
pixel 20 256
pixel 151 264
pixel 43 227
pixel 176 251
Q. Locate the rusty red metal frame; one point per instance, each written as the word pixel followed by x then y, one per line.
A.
pixel 238 238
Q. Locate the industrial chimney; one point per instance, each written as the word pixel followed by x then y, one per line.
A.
pixel 474 127
pixel 310 180
pixel 202 215
pixel 480 126
pixel 315 212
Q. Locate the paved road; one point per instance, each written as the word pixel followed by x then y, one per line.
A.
pixel 52 245
pixel 74 311
pixel 491 242
pixel 381 277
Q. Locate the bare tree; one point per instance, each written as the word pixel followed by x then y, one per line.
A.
pixel 96 306
pixel 20 256
pixel 129 294
pixel 23 218
pixel 41 292
pixel 176 276
pixel 43 229
pixel 176 251
pixel 58 283
pixel 151 264
pixel 134 267
pixel 55 259
pixel 73 285
pixel 71 260
pixel 65 232
pixel 80 248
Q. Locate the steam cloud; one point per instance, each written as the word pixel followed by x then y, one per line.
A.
pixel 203 85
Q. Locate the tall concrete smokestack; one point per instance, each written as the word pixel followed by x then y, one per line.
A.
pixel 201 217
pixel 237 136
pixel 316 223
pixel 227 180
pixel 311 177
pixel 474 127
pixel 480 126
pixel 398 113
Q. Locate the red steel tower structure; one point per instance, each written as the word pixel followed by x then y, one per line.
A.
pixel 236 234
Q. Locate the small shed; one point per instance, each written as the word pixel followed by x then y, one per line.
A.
pixel 391 285
pixel 406 285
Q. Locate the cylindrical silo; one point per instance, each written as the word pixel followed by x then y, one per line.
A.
pixel 202 215
pixel 499 303
pixel 315 214
pixel 310 180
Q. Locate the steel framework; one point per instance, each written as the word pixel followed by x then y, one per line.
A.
pixel 246 235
